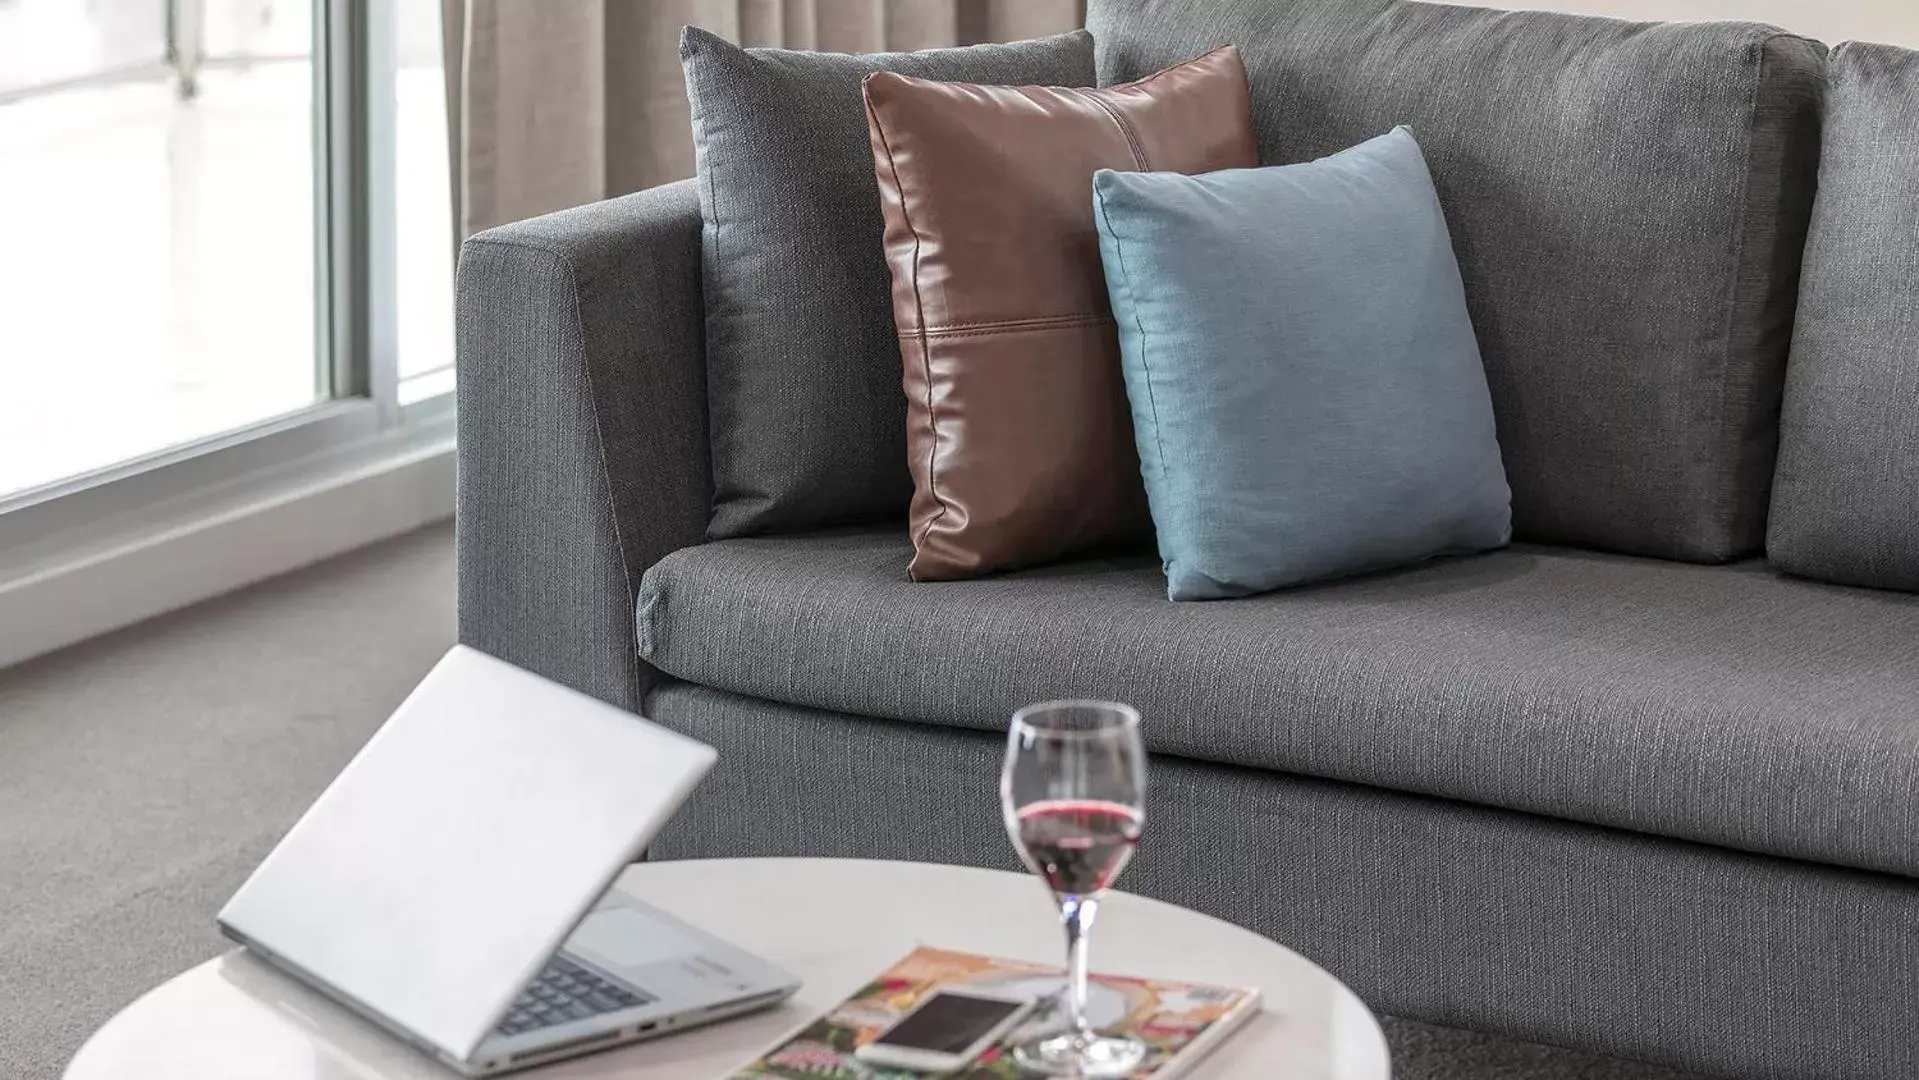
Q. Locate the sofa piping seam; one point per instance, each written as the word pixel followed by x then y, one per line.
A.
pixel 1736 288
pixel 706 188
pixel 565 262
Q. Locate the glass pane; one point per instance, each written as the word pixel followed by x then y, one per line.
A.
pixel 45 42
pixel 158 279
pixel 257 29
pixel 425 214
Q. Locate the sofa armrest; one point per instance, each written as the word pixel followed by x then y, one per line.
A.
pixel 582 431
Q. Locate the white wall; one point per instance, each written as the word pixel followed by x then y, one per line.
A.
pixel 1832 21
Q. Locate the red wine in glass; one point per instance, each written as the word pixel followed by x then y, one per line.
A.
pixel 1073 791
pixel 1078 846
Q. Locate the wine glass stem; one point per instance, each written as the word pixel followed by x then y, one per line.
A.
pixel 1076 915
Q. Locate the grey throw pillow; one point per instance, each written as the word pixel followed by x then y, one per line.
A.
pixel 1845 502
pixel 807 418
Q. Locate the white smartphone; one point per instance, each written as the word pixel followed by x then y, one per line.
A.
pixel 944 1033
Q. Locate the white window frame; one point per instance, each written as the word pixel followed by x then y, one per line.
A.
pixel 110 547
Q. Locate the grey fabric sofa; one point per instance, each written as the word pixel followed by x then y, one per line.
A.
pixel 1625 786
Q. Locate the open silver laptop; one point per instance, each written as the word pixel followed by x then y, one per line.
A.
pixel 452 883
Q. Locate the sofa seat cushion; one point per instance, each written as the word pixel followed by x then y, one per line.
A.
pixel 1727 705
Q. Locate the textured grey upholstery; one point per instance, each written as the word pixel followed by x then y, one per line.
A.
pixel 1655 809
pixel 1628 203
pixel 1736 965
pixel 1723 704
pixel 1845 504
pixel 809 422
pixel 582 430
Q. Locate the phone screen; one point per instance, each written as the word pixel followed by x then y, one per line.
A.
pixel 949 1023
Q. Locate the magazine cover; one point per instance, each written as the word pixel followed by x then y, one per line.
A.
pixel 1179 1022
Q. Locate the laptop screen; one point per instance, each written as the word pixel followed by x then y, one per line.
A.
pixel 450 858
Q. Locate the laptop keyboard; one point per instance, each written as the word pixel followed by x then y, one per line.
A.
pixel 566 991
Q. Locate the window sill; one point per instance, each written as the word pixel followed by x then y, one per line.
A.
pixel 78 566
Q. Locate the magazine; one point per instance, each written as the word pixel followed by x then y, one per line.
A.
pixel 1179 1022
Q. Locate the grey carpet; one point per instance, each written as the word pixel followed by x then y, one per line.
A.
pixel 143 774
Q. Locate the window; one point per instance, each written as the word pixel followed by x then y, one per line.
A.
pixel 424 194
pixel 157 285
pixel 226 256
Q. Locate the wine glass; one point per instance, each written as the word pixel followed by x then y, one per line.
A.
pixel 1074 793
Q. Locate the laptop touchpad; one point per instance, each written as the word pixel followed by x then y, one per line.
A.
pixel 630 939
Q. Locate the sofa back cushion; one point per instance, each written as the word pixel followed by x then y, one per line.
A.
pixel 802 363
pixel 1628 202
pixel 1845 503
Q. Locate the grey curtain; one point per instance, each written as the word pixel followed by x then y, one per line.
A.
pixel 554 103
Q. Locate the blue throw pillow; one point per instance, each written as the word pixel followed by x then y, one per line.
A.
pixel 1305 385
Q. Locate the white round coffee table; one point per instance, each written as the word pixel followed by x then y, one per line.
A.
pixel 832 922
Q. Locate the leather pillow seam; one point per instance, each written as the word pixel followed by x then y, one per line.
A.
pixel 1013 326
pixel 919 311
pixel 1125 128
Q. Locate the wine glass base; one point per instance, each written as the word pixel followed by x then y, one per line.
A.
pixel 1083 1055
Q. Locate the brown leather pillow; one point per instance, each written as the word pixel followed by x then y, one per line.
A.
pixel 1018 433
